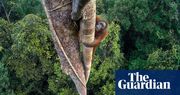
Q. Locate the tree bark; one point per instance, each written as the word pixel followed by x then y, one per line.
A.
pixel 66 40
pixel 87 34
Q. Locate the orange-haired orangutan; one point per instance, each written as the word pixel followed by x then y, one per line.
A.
pixel 100 33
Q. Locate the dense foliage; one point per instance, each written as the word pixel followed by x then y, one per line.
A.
pixel 143 34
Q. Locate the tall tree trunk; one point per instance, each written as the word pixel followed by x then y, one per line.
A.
pixel 66 40
pixel 87 34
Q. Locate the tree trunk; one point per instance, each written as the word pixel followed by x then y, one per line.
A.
pixel 87 34
pixel 66 40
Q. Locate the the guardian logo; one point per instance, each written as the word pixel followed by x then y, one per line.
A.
pixel 147 82
pixel 138 81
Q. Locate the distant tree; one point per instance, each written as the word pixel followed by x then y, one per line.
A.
pixel 5 81
pixel 13 10
pixel 147 27
pixel 31 55
pixel 5 37
pixel 105 8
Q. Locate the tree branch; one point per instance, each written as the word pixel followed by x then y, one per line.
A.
pixel 6 13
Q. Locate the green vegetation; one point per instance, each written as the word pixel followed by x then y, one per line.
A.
pixel 144 34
